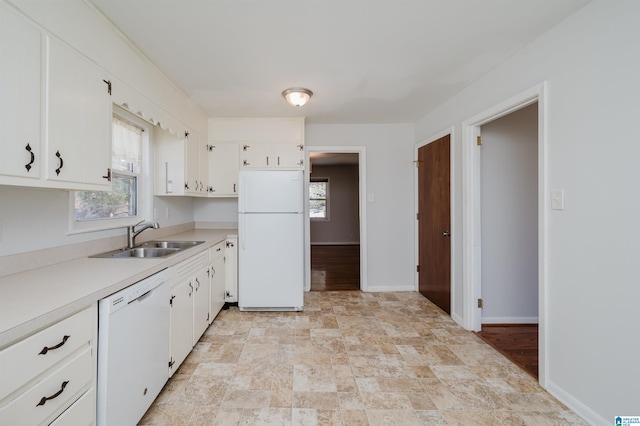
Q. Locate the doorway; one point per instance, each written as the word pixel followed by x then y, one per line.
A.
pixel 336 250
pixel 495 289
pixel 434 222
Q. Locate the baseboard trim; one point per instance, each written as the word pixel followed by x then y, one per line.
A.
pixel 576 406
pixel 510 320
pixel 343 243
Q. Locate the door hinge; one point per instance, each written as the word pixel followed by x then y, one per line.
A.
pixel 480 303
pixel 171 300
pixel 417 163
pixel 108 83
pixel 417 268
pixel 479 141
pixel 171 362
pixel 418 216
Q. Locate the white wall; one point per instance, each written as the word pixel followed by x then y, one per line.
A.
pixel 34 219
pixel 389 176
pixel 221 210
pixel 591 64
pixel 509 211
pixel 343 226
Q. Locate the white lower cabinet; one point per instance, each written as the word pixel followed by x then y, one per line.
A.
pixel 217 298
pixel 189 303
pixel 82 412
pixel 51 374
pixel 231 269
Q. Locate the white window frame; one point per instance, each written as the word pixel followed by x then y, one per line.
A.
pixel 327 202
pixel 144 191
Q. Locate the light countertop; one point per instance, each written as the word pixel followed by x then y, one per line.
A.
pixel 34 299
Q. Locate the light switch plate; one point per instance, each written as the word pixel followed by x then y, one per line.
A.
pixel 557 199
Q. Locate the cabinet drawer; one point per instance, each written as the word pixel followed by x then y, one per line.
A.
pixel 82 412
pixel 32 356
pixel 217 251
pixel 52 394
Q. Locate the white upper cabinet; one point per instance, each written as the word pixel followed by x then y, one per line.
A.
pixel 265 143
pixel 197 165
pixel 170 164
pixel 224 158
pixel 78 111
pixel 181 164
pixel 20 95
pixel 55 111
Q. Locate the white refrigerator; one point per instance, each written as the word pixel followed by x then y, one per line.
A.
pixel 271 241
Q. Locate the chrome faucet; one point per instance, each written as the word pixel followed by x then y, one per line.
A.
pixel 132 233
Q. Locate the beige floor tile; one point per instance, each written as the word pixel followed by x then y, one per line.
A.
pixel 350 358
pixel 317 400
pixel 355 418
pixel 393 417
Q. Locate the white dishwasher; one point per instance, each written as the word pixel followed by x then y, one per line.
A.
pixel 133 350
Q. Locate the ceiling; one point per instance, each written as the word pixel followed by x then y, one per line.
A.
pixel 367 61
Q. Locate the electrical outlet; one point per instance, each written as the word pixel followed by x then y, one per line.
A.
pixel 167 213
pixel 0 229
pixel 155 213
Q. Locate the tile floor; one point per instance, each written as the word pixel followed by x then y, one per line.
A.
pixel 350 358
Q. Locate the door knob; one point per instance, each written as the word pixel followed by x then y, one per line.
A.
pixel 446 234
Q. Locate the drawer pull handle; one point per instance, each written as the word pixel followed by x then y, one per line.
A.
pixel 46 349
pixel 55 395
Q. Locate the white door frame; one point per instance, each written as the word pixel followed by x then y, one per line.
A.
pixel 471 239
pixel 362 177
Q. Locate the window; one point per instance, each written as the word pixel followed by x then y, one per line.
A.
pixel 103 209
pixel 319 199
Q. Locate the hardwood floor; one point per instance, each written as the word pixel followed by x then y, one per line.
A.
pixel 517 342
pixel 335 268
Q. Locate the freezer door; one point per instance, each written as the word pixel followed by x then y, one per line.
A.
pixel 271 192
pixel 271 262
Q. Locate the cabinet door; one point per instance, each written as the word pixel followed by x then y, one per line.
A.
pixel 181 323
pixel 256 156
pixel 78 119
pixel 231 269
pixel 20 100
pixel 217 283
pixel 224 159
pixel 289 155
pixel 203 167
pixel 191 164
pixel 200 303
pixel 170 164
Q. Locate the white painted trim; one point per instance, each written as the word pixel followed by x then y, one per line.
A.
pixel 471 270
pixel 509 320
pixel 362 182
pixel 335 243
pixel 587 414
pixel 451 132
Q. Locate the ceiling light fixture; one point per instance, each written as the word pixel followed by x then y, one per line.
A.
pixel 297 96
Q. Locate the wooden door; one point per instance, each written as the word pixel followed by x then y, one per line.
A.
pixel 434 222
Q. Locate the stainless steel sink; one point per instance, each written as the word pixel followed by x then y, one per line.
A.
pixel 139 252
pixel 172 244
pixel 150 250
